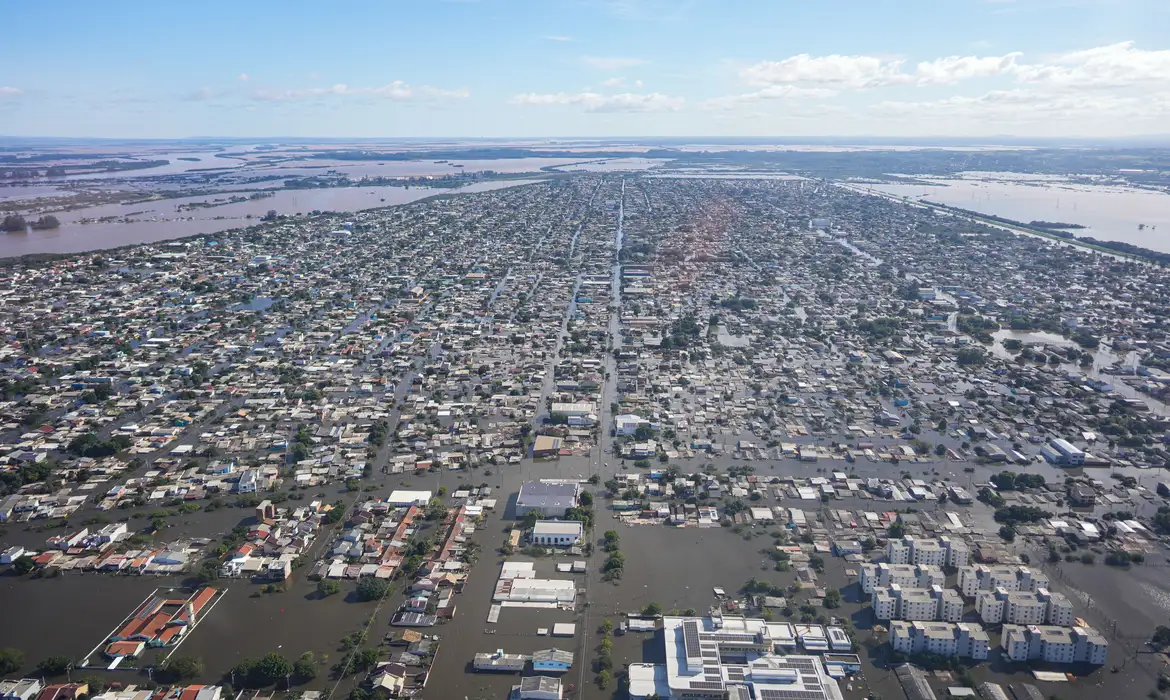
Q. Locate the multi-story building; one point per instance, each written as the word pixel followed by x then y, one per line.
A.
pixel 884 575
pixel 1058 645
pixel 714 657
pixel 973 579
pixel 927 604
pixel 1023 608
pixel 965 640
pixel 945 551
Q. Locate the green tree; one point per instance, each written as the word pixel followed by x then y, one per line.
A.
pixel 55 665
pixel 327 587
pixel 370 588
pixel 363 660
pixel 23 565
pixel 652 609
pixel 305 668
pixel 269 669
pixel 604 678
pixel 12 660
pixel 184 668
pixel 1161 636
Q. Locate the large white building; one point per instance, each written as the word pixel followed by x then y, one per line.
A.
pixel 1057 645
pixel 944 551
pixel 926 604
pixel 966 639
pixel 1024 608
pixel 883 575
pixel 720 657
pixel 557 533
pixel 548 499
pixel 973 579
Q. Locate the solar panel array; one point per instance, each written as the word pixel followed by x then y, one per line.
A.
pixel 787 694
pixel 731 637
pixel 691 639
pixel 706 685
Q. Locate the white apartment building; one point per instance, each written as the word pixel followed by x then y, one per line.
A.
pixel 920 604
pixel 1023 608
pixel 973 579
pixel 884 575
pixel 945 551
pixel 965 640
pixel 1058 645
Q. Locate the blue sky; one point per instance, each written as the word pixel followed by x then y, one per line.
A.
pixel 543 68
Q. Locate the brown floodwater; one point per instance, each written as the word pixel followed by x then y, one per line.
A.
pixel 160 220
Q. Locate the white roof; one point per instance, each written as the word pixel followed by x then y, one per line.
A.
pixel 407 498
pixel 557 527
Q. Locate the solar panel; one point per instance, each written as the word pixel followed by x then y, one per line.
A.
pixel 704 685
pixel 691 639
pixel 787 694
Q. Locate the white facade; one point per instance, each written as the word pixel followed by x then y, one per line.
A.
pixel 1058 645
pixel 922 604
pixel 1024 608
pixel 965 640
pixel 628 423
pixel 557 533
pixel 973 579
pixel 945 551
pixel 884 575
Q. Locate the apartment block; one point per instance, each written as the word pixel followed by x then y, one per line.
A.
pixel 1058 645
pixel 920 604
pixel 945 551
pixel 1023 608
pixel 973 579
pixel 883 575
pixel 965 640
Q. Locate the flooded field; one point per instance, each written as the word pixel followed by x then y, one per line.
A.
pixel 160 220
pixel 1108 213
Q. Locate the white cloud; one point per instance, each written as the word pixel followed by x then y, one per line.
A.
pixel 1022 105
pixel 244 77
pixel 774 92
pixel 612 62
pixel 952 69
pixel 7 91
pixel 557 37
pixel 844 71
pixel 597 102
pixel 614 82
pixel 1116 65
pixel 397 90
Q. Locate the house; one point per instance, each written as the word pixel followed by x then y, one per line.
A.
pixel 119 650
pixel 23 689
pixel 64 691
pixel 249 481
pixel 628 424
pixel 537 688
pixel 11 554
pixel 557 533
pixel 551 660
pixel 390 677
pixel 546 446
pixel 546 499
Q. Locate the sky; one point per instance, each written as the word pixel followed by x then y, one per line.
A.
pixel 586 68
